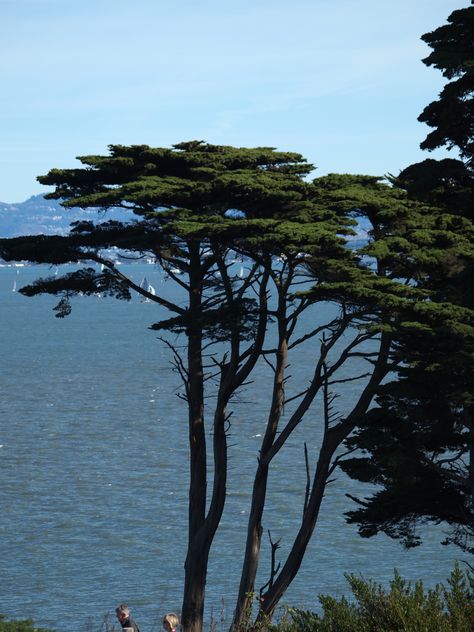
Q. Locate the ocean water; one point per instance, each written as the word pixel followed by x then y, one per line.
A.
pixel 94 473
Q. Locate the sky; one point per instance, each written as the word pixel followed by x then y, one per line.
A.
pixel 339 81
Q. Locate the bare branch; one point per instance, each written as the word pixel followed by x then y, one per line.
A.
pixel 308 479
pixel 273 368
pixel 311 334
pixel 290 399
pixel 152 297
pixel 349 379
pixel 338 459
pixel 179 365
pixel 274 568
pixel 357 500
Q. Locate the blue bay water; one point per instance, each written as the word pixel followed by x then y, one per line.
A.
pixel 94 473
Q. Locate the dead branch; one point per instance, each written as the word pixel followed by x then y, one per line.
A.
pixel 338 459
pixel 308 479
pixel 274 568
pixel 350 379
pixel 357 500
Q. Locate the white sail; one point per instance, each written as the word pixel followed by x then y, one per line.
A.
pixel 148 288
pixel 14 281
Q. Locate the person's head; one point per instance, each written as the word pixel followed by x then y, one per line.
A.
pixel 170 622
pixel 122 612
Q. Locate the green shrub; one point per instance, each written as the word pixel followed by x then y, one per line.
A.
pixel 402 608
pixel 25 625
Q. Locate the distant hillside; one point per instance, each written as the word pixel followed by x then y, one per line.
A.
pixel 38 216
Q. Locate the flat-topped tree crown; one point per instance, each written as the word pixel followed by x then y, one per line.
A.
pixel 215 197
pixel 184 200
pixel 202 178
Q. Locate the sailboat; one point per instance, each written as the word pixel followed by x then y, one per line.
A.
pixel 148 288
pixel 14 281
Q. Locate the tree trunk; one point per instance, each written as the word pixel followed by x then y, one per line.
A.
pixel 196 559
pixel 271 599
pixel 195 566
pixel 243 609
pixel 202 527
pixel 333 439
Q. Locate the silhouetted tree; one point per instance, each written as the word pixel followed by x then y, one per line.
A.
pixel 452 115
pixel 419 439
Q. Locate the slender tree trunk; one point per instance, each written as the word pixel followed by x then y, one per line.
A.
pixel 202 527
pixel 196 560
pixel 200 544
pixel 333 439
pixel 271 599
pixel 243 609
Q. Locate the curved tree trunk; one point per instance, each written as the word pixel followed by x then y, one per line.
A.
pixel 333 439
pixel 202 527
pixel 271 599
pixel 243 609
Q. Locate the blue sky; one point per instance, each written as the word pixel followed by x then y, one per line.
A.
pixel 339 81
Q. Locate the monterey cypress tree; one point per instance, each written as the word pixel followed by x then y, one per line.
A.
pixel 195 208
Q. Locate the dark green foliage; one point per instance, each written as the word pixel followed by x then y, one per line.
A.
pixel 181 198
pixel 452 115
pixel 86 281
pixel 19 625
pixel 402 608
pixel 193 175
pixel 417 443
pixel 444 183
pixel 409 243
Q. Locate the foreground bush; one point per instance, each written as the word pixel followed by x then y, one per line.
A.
pixel 403 608
pixel 25 625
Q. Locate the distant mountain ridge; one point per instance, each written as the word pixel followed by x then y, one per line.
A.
pixel 37 216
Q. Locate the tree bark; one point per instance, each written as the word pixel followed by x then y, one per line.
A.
pixel 202 527
pixel 333 438
pixel 196 559
pixel 243 609
pixel 293 562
